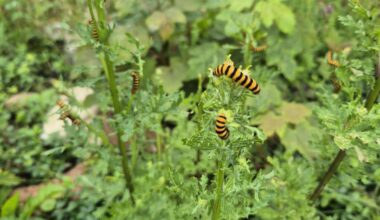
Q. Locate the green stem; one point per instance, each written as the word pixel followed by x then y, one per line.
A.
pixel 135 152
pixel 373 95
pixel 158 144
pixel 108 68
pixel 330 172
pixel 89 4
pixel 342 153
pixel 219 190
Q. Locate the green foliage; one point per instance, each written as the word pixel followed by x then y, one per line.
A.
pixel 10 206
pixel 274 11
pixel 43 198
pixel 155 154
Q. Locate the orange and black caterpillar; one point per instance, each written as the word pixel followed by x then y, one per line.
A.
pixel 220 127
pixel 136 82
pixel 336 84
pixel 259 48
pixel 330 59
pixel 238 76
pixel 66 113
pixel 94 30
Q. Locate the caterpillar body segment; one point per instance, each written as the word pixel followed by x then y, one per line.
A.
pixel 259 48
pixel 330 59
pixel 220 127
pixel 94 31
pixel 61 104
pixel 238 76
pixel 136 82
pixel 67 113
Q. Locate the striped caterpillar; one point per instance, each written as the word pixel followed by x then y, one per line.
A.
pixel 336 84
pixel 237 75
pixel 94 31
pixel 220 127
pixel 136 82
pixel 66 113
pixel 259 48
pixel 330 59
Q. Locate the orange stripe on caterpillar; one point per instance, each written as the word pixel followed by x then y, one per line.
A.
pixel 61 103
pixel 259 48
pixel 136 82
pixel 330 59
pixel 94 31
pixel 66 113
pixel 220 127
pixel 237 75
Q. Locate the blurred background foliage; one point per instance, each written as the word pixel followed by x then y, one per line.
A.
pixel 283 139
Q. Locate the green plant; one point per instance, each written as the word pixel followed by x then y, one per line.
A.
pixel 281 141
pixel 369 46
pixel 100 25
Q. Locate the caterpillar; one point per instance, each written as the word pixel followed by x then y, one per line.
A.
pixel 220 127
pixel 66 113
pixel 136 82
pixel 61 104
pixel 75 121
pixel 94 31
pixel 336 84
pixel 259 48
pixel 237 75
pixel 331 61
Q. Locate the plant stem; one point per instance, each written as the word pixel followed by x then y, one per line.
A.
pixel 108 68
pixel 219 190
pixel 134 151
pixel 342 153
pixel 330 172
pixel 158 144
pixel 373 95
pixel 117 107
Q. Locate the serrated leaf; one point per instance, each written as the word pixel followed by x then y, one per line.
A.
pixel 342 142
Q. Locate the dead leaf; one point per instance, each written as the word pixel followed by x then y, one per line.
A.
pixel 272 123
pixel 294 112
